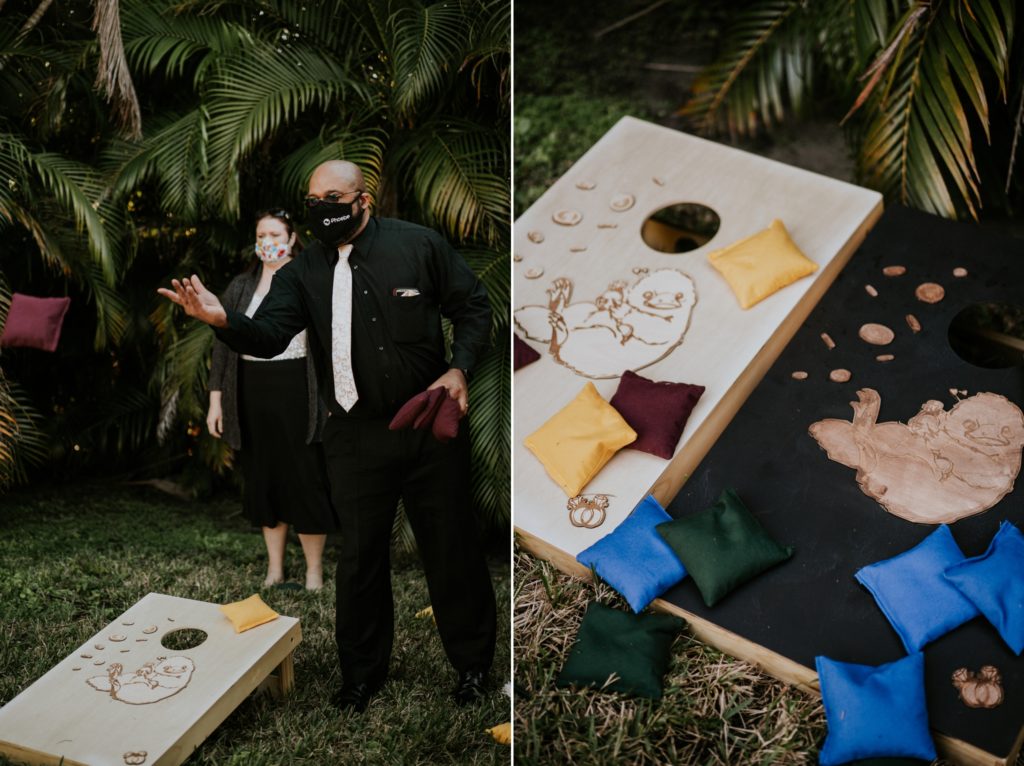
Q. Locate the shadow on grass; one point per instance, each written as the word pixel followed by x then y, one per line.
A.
pixel 75 558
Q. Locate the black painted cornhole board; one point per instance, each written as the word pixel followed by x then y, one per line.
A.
pixel 812 605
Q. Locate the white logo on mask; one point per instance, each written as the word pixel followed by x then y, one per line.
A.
pixel 329 221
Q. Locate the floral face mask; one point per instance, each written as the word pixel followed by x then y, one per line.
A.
pixel 269 251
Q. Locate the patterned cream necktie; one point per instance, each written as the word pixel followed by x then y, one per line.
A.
pixel 341 331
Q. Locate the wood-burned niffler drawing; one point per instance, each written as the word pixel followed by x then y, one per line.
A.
pixel 154 681
pixel 939 467
pixel 623 328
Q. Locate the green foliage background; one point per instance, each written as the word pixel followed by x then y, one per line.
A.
pixel 124 162
pixel 930 93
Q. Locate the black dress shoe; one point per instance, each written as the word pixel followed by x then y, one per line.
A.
pixel 353 697
pixel 469 688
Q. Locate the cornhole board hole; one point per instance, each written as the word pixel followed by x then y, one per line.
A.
pixel 812 604
pixel 123 699
pixel 585 232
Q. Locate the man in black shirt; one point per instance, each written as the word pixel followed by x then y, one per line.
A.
pixel 370 294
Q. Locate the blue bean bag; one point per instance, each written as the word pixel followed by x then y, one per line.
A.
pixel 874 711
pixel 994 582
pixel 910 589
pixel 634 559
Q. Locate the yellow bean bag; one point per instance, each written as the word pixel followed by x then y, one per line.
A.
pixel 248 613
pixel 579 439
pixel 761 264
pixel 502 733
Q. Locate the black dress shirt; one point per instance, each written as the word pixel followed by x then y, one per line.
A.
pixel 404 278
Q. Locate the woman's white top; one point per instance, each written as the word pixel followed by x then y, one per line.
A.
pixel 296 349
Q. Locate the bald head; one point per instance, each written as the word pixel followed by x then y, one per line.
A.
pixel 336 176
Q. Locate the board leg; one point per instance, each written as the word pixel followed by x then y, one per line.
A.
pixel 286 675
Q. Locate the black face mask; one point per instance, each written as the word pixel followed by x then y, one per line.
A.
pixel 334 223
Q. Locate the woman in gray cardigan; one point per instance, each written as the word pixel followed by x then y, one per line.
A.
pixel 269 411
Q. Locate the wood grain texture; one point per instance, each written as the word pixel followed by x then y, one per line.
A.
pixel 62 716
pixel 725 348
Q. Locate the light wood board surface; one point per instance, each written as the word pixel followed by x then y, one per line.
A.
pixel 725 348
pixel 163 713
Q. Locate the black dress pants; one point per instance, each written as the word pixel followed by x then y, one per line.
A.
pixel 370 468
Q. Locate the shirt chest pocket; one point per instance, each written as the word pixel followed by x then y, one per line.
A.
pixel 409 317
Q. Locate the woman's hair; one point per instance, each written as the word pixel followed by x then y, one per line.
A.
pixel 282 215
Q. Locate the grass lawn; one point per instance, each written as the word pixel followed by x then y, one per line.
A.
pixel 75 558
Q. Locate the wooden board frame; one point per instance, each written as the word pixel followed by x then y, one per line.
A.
pixel 725 348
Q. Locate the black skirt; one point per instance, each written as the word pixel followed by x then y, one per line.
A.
pixel 285 478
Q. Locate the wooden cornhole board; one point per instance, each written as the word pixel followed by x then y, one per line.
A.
pixel 725 348
pixel 156 717
pixel 812 605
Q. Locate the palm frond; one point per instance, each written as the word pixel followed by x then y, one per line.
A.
pixel 253 95
pixel 458 171
pixel 173 154
pixel 160 39
pixel 14 159
pixel 918 146
pixel 187 369
pixel 990 25
pixel 765 69
pixel 361 142
pixel 402 536
pixel 490 396
pixel 22 441
pixel 429 41
pixel 122 423
pixel 5 301
pixel 49 246
pixel 869 24
pixel 112 311
pixel 79 188
pixel 490 43
pixel 326 24
pixel 891 51
pixel 492 267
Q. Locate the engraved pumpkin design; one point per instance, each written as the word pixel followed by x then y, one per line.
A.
pixel 941 465
pixel 625 327
pixel 981 690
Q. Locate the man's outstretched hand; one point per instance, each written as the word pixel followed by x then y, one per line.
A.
pixel 197 301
